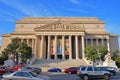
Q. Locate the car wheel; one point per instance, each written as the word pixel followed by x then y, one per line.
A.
pixel 106 77
pixel 85 77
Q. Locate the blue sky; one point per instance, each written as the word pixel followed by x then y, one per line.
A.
pixel 107 10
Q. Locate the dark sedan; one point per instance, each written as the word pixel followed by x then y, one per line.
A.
pixel 38 70
pixel 71 70
pixel 54 70
pixel 109 69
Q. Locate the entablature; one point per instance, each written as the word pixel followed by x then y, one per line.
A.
pixel 60 26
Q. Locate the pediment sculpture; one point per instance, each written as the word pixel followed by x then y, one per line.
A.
pixel 60 26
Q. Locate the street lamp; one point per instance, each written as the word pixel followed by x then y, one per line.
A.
pixel 19 57
pixel 99 54
pixel 100 57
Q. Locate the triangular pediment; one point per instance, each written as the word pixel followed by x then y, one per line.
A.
pixel 59 26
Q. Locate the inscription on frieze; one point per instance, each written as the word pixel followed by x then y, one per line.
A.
pixel 59 26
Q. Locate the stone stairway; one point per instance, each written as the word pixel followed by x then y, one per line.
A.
pixel 45 64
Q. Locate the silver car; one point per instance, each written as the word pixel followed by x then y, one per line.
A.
pixel 24 75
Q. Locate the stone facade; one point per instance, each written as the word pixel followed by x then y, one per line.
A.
pixel 64 37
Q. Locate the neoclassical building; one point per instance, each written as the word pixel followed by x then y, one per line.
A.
pixel 61 37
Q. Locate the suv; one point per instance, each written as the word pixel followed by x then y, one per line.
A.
pixel 87 72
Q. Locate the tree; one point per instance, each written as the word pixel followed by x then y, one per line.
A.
pixel 26 52
pixel 102 51
pixel 116 58
pixel 11 49
pixel 94 53
pixel 91 53
pixel 115 55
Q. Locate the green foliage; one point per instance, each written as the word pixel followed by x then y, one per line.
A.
pixel 90 53
pixel 26 52
pixel 14 47
pixel 93 53
pixel 11 49
pixel 116 58
pixel 102 50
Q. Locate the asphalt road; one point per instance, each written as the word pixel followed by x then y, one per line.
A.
pixel 63 76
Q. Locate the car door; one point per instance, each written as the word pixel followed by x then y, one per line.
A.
pixel 97 72
pixel 90 71
pixel 27 76
pixel 17 76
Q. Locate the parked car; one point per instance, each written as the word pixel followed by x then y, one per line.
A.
pixel 38 70
pixel 71 70
pixel 54 70
pixel 3 69
pixel 110 69
pixel 16 67
pixel 24 75
pixel 88 72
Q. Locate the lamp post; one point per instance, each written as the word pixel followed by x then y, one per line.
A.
pixel 100 57
pixel 99 54
pixel 19 57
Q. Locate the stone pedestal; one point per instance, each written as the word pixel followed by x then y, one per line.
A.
pixel 9 63
pixel 109 63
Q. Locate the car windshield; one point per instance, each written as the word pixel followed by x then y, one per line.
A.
pixel 33 73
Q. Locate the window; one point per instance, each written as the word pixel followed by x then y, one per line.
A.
pixel 26 74
pixel 18 74
pixel 89 69
pixel 83 68
pixel 97 69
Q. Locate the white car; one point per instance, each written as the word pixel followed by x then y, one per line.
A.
pixel 24 75
pixel 88 72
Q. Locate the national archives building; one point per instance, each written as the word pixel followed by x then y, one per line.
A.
pixel 61 37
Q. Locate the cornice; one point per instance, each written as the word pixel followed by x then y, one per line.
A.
pixel 6 35
pixel 114 35
pixel 23 33
pixel 97 33
pixel 72 20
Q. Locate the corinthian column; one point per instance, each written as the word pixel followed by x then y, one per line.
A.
pixel 33 45
pixel 83 47
pixel 42 47
pixel 55 47
pixel 70 48
pixel 102 41
pixel 76 41
pixel 97 42
pixel 48 53
pixel 63 47
pixel 36 47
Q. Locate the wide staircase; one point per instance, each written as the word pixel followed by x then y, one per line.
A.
pixel 62 64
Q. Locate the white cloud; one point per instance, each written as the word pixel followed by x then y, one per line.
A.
pixel 75 1
pixel 76 10
pixel 29 10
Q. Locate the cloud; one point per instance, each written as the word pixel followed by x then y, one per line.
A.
pixel 75 1
pixel 76 10
pixel 26 9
